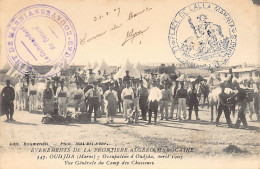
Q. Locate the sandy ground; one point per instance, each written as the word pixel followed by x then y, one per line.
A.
pixel 205 138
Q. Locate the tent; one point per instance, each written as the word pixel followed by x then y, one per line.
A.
pixel 102 67
pixel 133 72
pixel 88 66
pixel 95 65
pixel 139 67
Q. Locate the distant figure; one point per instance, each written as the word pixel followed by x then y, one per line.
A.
pixel 126 78
pixel 154 97
pixel 127 96
pixel 48 100
pixel 78 96
pixel 193 102
pixel 242 102
pixel 143 96
pixel 174 98
pixel 62 96
pixel 112 99
pixel 223 105
pixel 182 97
pixel 94 99
pixel 7 104
pixel 164 103
pixel 32 96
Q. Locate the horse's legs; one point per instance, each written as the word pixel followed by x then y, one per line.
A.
pixel 212 112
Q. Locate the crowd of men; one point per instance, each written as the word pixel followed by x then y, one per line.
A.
pixel 131 97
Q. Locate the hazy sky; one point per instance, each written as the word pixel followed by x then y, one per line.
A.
pixel 149 47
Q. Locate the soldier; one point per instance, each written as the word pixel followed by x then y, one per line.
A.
pixel 78 96
pixel 182 96
pixel 154 97
pixel 242 102
pixel 127 96
pixel 94 100
pixel 62 98
pixel 32 96
pixel 143 96
pixel 223 105
pixel 174 100
pixel 7 104
pixel 164 103
pixel 112 99
pixel 48 100
pixel 193 102
pixel 126 78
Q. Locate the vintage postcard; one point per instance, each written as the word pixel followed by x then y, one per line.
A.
pixel 129 84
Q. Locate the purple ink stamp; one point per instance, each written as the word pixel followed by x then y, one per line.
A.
pixel 203 35
pixel 40 36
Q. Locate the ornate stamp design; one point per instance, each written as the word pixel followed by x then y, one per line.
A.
pixel 203 35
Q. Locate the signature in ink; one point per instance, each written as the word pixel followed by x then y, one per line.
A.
pixel 130 36
pixel 83 40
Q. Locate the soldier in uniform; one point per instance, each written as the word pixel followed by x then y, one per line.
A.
pixel 193 102
pixel 127 96
pixel 62 98
pixel 7 98
pixel 48 100
pixel 154 97
pixel 223 105
pixel 111 99
pixel 242 102
pixel 94 100
pixel 126 78
pixel 78 96
pixel 32 96
pixel 182 96
pixel 164 103
pixel 143 96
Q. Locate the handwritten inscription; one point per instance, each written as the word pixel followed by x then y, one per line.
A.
pixel 106 14
pixel 131 35
pixel 133 15
pixel 83 40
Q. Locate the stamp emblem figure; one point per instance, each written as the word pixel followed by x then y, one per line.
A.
pixel 202 35
pixel 40 36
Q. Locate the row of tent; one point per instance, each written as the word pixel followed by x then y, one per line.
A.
pixel 134 70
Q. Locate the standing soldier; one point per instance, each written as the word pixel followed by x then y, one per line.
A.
pixel 193 102
pixel 111 97
pixel 242 102
pixel 127 96
pixel 182 96
pixel 32 96
pixel 143 96
pixel 223 105
pixel 164 103
pixel 126 78
pixel 78 96
pixel 154 97
pixel 7 98
pixel 174 100
pixel 48 100
pixel 62 98
pixel 94 99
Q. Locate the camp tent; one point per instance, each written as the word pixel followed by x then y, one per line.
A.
pixel 133 72
pixel 103 67
pixel 88 66
pixel 139 67
pixel 95 65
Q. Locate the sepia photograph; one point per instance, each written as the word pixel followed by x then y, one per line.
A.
pixel 130 84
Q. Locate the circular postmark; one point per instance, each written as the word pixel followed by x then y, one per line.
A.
pixel 42 39
pixel 202 35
